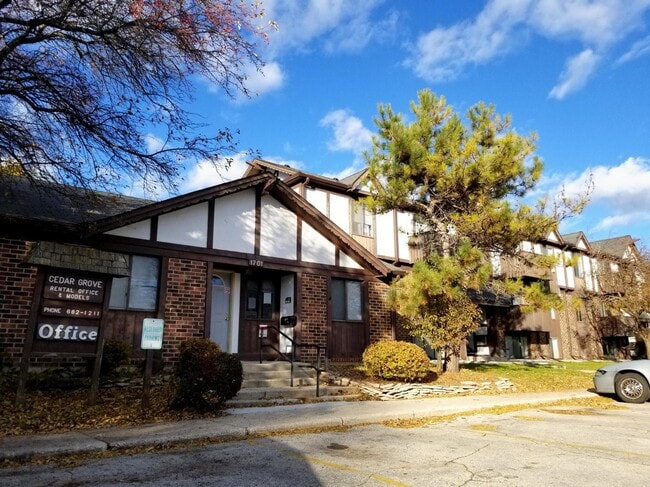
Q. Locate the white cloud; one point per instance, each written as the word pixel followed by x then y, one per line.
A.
pixel 611 222
pixel 270 78
pixel 576 74
pixel 596 23
pixel 349 132
pixel 341 25
pixel 355 167
pixel 205 174
pixel 626 185
pixel 445 52
pixel 638 49
pixel 619 192
pixel 153 143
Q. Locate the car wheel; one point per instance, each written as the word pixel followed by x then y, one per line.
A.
pixel 632 387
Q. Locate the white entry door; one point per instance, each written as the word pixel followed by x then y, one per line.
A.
pixel 220 320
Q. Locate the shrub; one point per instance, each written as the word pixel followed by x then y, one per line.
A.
pixel 395 360
pixel 116 353
pixel 5 361
pixel 205 377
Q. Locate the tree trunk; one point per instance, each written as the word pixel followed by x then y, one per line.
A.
pixel 453 360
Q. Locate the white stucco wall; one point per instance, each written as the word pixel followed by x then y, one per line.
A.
pixel 316 248
pixel 141 230
pixel 188 226
pixel 404 228
pixel 234 222
pixel 385 235
pixel 317 198
pixel 340 211
pixel 347 261
pixel 279 230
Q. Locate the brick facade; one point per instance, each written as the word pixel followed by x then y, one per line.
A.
pixel 381 317
pixel 17 283
pixel 185 304
pixel 313 313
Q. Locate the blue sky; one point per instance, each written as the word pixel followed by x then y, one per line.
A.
pixel 576 72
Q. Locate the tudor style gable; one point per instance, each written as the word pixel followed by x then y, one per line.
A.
pixel 255 218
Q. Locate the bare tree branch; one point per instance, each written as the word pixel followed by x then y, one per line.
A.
pixel 83 82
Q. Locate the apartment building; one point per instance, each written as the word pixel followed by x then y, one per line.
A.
pixel 279 250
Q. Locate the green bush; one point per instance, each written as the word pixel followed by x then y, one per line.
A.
pixel 116 353
pixel 395 360
pixel 205 377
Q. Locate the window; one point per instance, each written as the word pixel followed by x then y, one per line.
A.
pixel 604 312
pixel 346 300
pixel 578 315
pixel 260 299
pixel 477 341
pixel 361 221
pixel 140 290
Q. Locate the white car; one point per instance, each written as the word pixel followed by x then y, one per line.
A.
pixel 628 380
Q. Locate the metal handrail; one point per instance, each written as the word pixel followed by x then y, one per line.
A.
pixel 292 357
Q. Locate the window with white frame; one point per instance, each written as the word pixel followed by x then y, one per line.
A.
pixel 139 291
pixel 346 302
pixel 579 269
pixel 361 221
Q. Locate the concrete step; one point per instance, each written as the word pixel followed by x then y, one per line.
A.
pixel 272 382
pixel 277 374
pixel 268 384
pixel 277 365
pixel 264 397
pixel 253 403
pixel 267 393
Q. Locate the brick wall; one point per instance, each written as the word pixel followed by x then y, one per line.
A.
pixel 17 284
pixel 313 313
pixel 185 305
pixel 381 317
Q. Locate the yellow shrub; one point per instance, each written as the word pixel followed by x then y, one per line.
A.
pixel 395 360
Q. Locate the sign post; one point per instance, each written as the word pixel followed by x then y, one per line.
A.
pixel 152 338
pixel 66 318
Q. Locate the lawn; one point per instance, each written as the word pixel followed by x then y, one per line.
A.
pixel 61 408
pixel 527 377
pixel 530 377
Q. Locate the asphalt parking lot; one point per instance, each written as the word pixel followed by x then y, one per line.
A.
pixel 538 446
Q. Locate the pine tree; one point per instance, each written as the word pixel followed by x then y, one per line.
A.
pixel 463 180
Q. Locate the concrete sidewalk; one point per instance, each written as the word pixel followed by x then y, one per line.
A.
pixel 240 423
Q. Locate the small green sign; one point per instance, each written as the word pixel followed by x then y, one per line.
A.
pixel 152 334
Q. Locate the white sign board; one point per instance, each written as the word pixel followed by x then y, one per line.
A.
pixel 152 334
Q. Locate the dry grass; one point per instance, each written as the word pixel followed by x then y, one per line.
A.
pixel 527 377
pixel 59 409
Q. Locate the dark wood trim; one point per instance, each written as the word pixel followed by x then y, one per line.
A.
pixel 162 291
pixel 153 231
pixel 258 221
pixel 299 240
pixel 328 228
pixel 231 260
pixel 178 203
pixel 210 235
